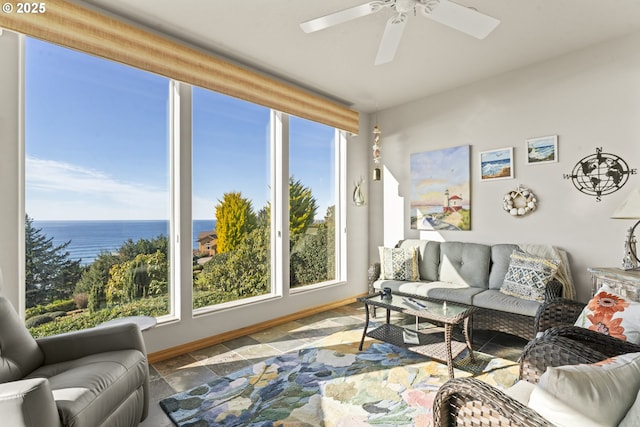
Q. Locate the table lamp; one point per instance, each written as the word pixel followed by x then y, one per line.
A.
pixel 630 209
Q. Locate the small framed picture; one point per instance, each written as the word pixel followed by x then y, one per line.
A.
pixel 496 164
pixel 542 150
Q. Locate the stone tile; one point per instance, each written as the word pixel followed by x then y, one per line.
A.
pixel 157 417
pixel 187 378
pixel 509 353
pixel 255 353
pixel 241 342
pixel 271 334
pixel 229 366
pixel 288 343
pixel 153 373
pixel 210 352
pixel 159 389
pixel 168 366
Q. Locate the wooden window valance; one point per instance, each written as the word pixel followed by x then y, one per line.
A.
pixel 73 26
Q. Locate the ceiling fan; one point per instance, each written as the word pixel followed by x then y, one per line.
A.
pixel 461 18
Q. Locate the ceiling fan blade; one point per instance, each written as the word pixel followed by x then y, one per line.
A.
pixel 391 39
pixel 337 18
pixel 462 18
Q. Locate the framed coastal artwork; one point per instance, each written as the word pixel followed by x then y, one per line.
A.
pixel 441 189
pixel 542 150
pixel 496 164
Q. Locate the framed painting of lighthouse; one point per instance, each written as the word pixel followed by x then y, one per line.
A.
pixel 441 189
pixel 542 150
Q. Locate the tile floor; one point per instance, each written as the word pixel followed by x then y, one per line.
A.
pixel 192 369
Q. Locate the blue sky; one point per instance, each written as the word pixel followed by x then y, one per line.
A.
pixel 97 143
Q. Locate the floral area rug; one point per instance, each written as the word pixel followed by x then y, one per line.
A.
pixel 332 384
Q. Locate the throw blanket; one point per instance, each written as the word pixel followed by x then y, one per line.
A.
pixel 563 275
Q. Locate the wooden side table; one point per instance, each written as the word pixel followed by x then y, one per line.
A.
pixel 616 278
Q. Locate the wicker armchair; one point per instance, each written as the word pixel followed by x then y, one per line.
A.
pixel 470 402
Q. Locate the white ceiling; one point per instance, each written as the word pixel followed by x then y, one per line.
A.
pixel 338 61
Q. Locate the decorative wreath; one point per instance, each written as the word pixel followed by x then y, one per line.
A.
pixel 519 202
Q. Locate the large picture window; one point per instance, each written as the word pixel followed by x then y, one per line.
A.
pixel 231 199
pixel 96 190
pixel 104 198
pixel 312 203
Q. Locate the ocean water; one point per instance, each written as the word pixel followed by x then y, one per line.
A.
pixel 494 167
pixel 89 238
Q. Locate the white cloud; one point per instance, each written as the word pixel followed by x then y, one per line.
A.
pixel 58 190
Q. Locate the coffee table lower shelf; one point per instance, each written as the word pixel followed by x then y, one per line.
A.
pixel 432 343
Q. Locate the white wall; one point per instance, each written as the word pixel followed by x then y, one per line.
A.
pixel 188 328
pixel 10 210
pixel 590 98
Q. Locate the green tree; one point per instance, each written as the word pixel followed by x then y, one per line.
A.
pixel 130 249
pixel 234 220
pixel 94 280
pixel 138 278
pixel 49 273
pixel 302 208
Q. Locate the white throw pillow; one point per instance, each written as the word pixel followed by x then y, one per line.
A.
pixel 603 392
pixel 612 314
pixel 399 264
pixel 558 412
pixel 633 415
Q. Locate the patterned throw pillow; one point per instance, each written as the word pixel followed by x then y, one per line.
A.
pixel 612 314
pixel 528 275
pixel 399 264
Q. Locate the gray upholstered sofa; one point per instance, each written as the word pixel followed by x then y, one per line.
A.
pixel 94 377
pixel 473 274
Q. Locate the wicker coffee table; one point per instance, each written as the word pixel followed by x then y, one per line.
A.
pixel 436 342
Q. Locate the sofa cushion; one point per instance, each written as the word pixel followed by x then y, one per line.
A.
pixel 528 275
pixel 612 314
pixel 394 285
pixel 19 352
pixel 500 259
pixel 399 263
pixel 428 257
pixel 465 263
pixel 441 290
pixel 86 390
pixel 496 300
pixel 602 391
pixel 558 412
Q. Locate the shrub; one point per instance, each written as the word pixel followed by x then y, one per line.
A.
pixel 41 319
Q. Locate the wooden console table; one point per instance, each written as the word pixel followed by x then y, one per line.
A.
pixel 615 278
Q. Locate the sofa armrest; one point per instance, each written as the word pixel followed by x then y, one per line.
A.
pixel 549 350
pixel 557 312
pixel 553 290
pixel 469 401
pixel 605 344
pixel 73 345
pixel 373 274
pixel 28 403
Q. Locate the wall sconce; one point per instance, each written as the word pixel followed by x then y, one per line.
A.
pixel 630 209
pixel 376 153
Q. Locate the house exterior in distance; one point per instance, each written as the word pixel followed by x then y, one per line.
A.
pixel 207 243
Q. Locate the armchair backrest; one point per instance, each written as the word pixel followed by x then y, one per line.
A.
pixel 19 352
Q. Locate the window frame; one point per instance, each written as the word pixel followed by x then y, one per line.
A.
pixel 180 212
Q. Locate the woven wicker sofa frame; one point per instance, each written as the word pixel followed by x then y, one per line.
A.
pixel 495 320
pixel 470 402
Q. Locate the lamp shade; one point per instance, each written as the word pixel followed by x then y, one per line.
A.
pixel 630 208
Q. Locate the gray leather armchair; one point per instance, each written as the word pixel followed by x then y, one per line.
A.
pixel 95 377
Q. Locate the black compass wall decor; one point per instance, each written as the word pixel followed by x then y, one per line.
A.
pixel 600 174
